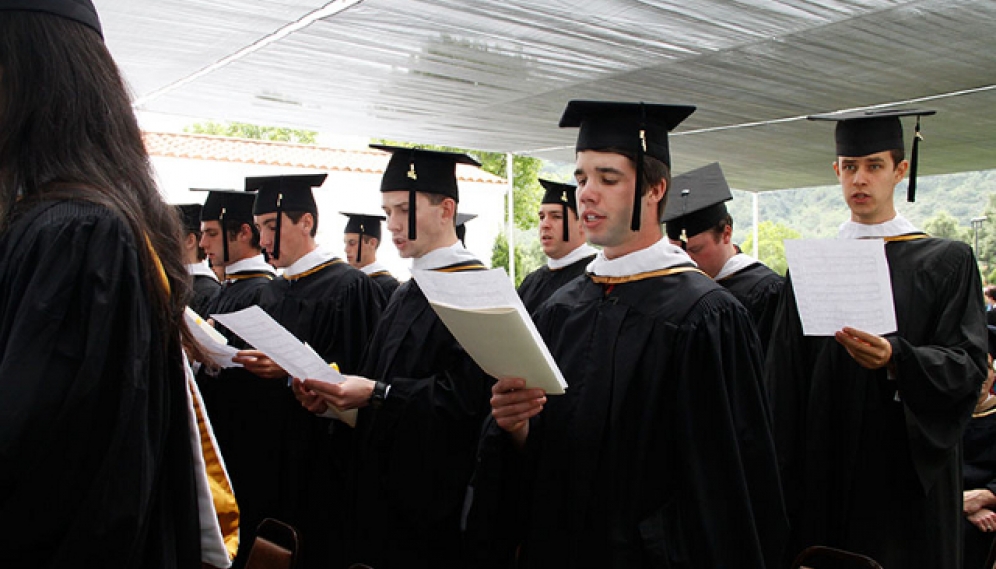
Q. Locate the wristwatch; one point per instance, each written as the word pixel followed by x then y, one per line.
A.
pixel 378 395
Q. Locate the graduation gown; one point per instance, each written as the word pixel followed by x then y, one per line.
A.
pixel 416 452
pixel 94 435
pixel 387 283
pixel 757 287
pixel 658 455
pixel 334 308
pixel 540 284
pixel 246 412
pixel 205 287
pixel 872 464
pixel 979 442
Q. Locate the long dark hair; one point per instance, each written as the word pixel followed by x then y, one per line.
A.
pixel 67 131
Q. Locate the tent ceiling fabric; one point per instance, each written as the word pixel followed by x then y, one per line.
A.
pixel 496 74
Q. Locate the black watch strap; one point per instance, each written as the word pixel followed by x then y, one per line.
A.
pixel 379 394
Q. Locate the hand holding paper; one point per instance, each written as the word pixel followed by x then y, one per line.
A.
pixel 841 282
pixel 484 314
pixel 212 342
pixel 256 327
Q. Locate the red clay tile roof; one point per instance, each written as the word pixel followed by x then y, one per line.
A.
pixel 265 152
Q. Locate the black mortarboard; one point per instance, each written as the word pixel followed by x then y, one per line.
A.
pixel 861 133
pixel 417 170
pixel 363 224
pixel 461 229
pixel 190 214
pixel 81 11
pixel 640 128
pixel 696 201
pixel 284 193
pixel 563 194
pixel 227 205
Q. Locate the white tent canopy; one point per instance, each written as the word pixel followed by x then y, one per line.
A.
pixel 496 74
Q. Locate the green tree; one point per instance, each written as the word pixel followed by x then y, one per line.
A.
pixel 525 189
pixel 528 256
pixel 943 224
pixel 987 235
pixel 253 131
pixel 772 237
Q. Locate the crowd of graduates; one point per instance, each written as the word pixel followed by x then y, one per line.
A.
pixel 701 426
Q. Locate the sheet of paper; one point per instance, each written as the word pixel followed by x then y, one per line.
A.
pixel 264 333
pixel 841 282
pixel 483 312
pixel 213 343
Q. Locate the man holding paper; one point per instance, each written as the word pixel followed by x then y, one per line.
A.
pixel 244 408
pixel 422 399
pixel 333 308
pixel 660 453
pixel 868 426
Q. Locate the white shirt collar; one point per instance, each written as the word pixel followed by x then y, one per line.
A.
pixel 443 257
pixel 898 225
pixel 374 267
pixel 734 265
pixel 660 255
pixel 308 262
pixel 250 264
pixel 574 256
pixel 201 269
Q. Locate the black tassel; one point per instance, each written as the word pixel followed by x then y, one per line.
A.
pixel 359 245
pixel 641 148
pixel 413 178
pixel 224 235
pixel 911 187
pixel 276 234
pixel 567 228
pixel 411 215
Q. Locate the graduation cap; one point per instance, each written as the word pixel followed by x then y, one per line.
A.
pixel 461 229
pixel 81 11
pixel 563 194
pixel 861 133
pixel 363 224
pixel 640 128
pixel 417 170
pixel 190 215
pixel 284 193
pixel 697 201
pixel 224 206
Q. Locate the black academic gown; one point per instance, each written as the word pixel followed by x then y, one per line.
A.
pixel 416 452
pixel 97 467
pixel 757 287
pixel 865 468
pixel 246 411
pixel 979 442
pixel 387 283
pixel 333 308
pixel 540 284
pixel 205 288
pixel 658 455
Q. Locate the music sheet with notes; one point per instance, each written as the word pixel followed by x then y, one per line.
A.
pixel 841 282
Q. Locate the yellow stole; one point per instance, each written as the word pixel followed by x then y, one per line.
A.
pixel 222 495
pixel 642 276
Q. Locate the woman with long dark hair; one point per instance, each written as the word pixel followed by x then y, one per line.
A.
pixel 96 463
